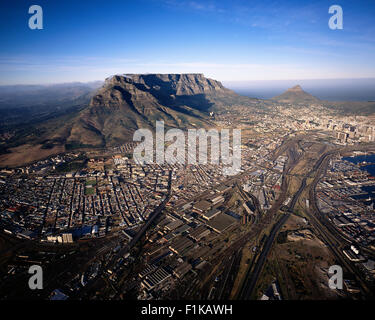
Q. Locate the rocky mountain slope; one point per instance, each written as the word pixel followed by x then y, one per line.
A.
pixel 128 102
pixel 123 104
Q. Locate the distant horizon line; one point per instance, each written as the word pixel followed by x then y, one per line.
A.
pixel 227 81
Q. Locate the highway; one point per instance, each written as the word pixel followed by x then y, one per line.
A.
pixel 334 240
pixel 331 241
pixel 249 286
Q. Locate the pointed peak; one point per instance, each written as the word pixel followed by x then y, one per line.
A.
pixel 296 88
pixel 296 95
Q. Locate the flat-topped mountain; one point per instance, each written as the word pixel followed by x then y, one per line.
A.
pixel 177 84
pixel 123 104
pixel 296 95
pixel 84 116
pixel 131 101
pixel 170 90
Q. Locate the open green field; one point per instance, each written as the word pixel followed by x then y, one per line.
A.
pixel 90 182
pixel 89 191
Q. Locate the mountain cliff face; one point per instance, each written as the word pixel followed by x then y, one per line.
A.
pixel 296 95
pixel 176 84
pixel 171 90
pixel 131 101
pixel 122 105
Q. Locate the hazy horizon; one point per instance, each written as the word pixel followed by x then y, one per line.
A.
pixel 362 89
pixel 226 40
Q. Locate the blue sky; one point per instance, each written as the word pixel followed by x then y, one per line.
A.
pixel 226 40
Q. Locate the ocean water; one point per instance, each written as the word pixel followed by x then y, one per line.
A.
pixel 324 89
pixel 370 168
pixel 370 159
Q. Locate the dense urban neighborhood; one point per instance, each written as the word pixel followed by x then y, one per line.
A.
pixel 188 231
